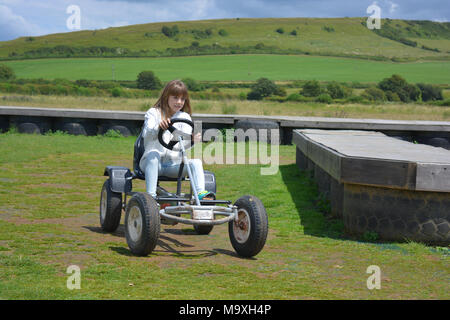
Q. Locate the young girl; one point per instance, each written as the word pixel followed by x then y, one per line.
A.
pixel 158 161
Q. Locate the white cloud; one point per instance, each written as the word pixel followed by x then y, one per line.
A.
pixel 392 7
pixel 13 25
pixel 24 17
pixel 200 8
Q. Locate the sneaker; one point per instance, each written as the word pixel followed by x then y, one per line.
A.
pixel 206 195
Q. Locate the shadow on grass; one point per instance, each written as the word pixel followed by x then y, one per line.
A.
pixel 233 254
pixel 168 250
pixel 304 194
pixel 120 231
pixel 169 246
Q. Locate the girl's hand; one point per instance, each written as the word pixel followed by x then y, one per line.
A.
pixel 198 137
pixel 164 124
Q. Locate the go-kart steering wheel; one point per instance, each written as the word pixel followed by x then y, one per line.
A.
pixel 176 133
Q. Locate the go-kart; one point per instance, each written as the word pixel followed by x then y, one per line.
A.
pixel 246 218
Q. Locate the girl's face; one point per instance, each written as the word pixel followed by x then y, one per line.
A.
pixel 176 103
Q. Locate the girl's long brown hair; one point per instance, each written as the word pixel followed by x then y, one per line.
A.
pixel 173 88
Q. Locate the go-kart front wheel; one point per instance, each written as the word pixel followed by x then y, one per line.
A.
pixel 248 233
pixel 142 224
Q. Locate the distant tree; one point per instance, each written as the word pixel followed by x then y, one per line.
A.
pixel 254 95
pixel 116 92
pixel 147 80
pixel 338 91
pixel 293 33
pixel 166 31
pixel 170 32
pixel 192 84
pixel 324 98
pixel 6 73
pixel 259 46
pixel 262 88
pixel 311 89
pixel 280 92
pixel 223 32
pixel 392 96
pixel 430 92
pixel 374 94
pixel 280 30
pixel 396 84
pixel 412 93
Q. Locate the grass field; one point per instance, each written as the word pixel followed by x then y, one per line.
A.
pixel 49 198
pixel 233 68
pixel 394 111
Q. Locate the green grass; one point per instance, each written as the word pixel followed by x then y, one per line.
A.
pixel 233 68
pixel 49 198
pixel 391 111
pixel 350 37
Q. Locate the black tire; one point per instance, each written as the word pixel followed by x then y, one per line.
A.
pixel 125 127
pixel 142 224
pixel 201 229
pixel 110 208
pixel 29 127
pixel 439 142
pixel 29 124
pixel 248 240
pixel 260 124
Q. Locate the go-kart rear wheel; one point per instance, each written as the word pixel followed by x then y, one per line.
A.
pixel 142 224
pixel 110 208
pixel 249 233
pixel 201 229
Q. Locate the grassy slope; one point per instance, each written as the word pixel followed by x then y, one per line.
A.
pixel 350 37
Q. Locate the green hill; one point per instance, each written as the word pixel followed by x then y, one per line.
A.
pixel 398 40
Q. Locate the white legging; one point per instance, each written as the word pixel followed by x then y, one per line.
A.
pixel 154 168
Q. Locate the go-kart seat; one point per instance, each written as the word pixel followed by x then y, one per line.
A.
pixel 138 153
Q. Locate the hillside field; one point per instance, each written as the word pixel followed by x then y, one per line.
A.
pixel 233 68
pixel 397 39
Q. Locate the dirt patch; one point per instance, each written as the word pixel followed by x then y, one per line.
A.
pixel 69 258
pixel 177 245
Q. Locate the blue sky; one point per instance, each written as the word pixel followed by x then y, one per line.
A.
pixel 32 18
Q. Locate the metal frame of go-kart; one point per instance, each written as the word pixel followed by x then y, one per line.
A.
pixel 248 231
